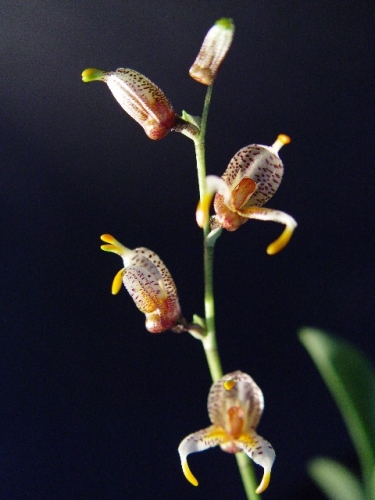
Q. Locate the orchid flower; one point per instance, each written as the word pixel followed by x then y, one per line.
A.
pixel 150 285
pixel 139 97
pixel 250 180
pixel 213 51
pixel 235 405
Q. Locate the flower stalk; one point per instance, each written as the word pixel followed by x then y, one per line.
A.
pixel 235 402
pixel 247 475
pixel 209 341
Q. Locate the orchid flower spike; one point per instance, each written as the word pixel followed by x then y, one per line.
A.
pixel 213 51
pixel 139 97
pixel 150 285
pixel 235 405
pixel 250 180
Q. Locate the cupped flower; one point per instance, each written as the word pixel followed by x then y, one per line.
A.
pixel 139 97
pixel 213 51
pixel 235 405
pixel 250 180
pixel 150 285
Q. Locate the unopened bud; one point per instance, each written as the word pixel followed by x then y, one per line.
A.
pixel 213 51
pixel 139 97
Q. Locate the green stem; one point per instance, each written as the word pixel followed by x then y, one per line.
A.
pixel 209 340
pixel 200 151
pixel 247 475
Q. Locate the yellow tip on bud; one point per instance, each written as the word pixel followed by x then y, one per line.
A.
pixel 114 246
pixel 282 140
pixel 108 238
pixel 92 74
pixel 285 139
pixel 188 474
pixel 229 384
pixel 264 483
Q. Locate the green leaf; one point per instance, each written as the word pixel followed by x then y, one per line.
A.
pixel 335 480
pixel 351 379
pixel 199 321
pixel 371 488
pixel 194 120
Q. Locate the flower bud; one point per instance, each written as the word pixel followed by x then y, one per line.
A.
pixel 139 97
pixel 150 285
pixel 214 48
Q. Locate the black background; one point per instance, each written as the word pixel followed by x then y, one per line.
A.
pixel 92 405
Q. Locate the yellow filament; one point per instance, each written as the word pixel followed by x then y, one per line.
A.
pixel 117 282
pixel 281 241
pixel 188 474
pixel 285 139
pixel 264 483
pixel 229 384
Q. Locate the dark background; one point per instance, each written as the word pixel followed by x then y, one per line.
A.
pixel 92 405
